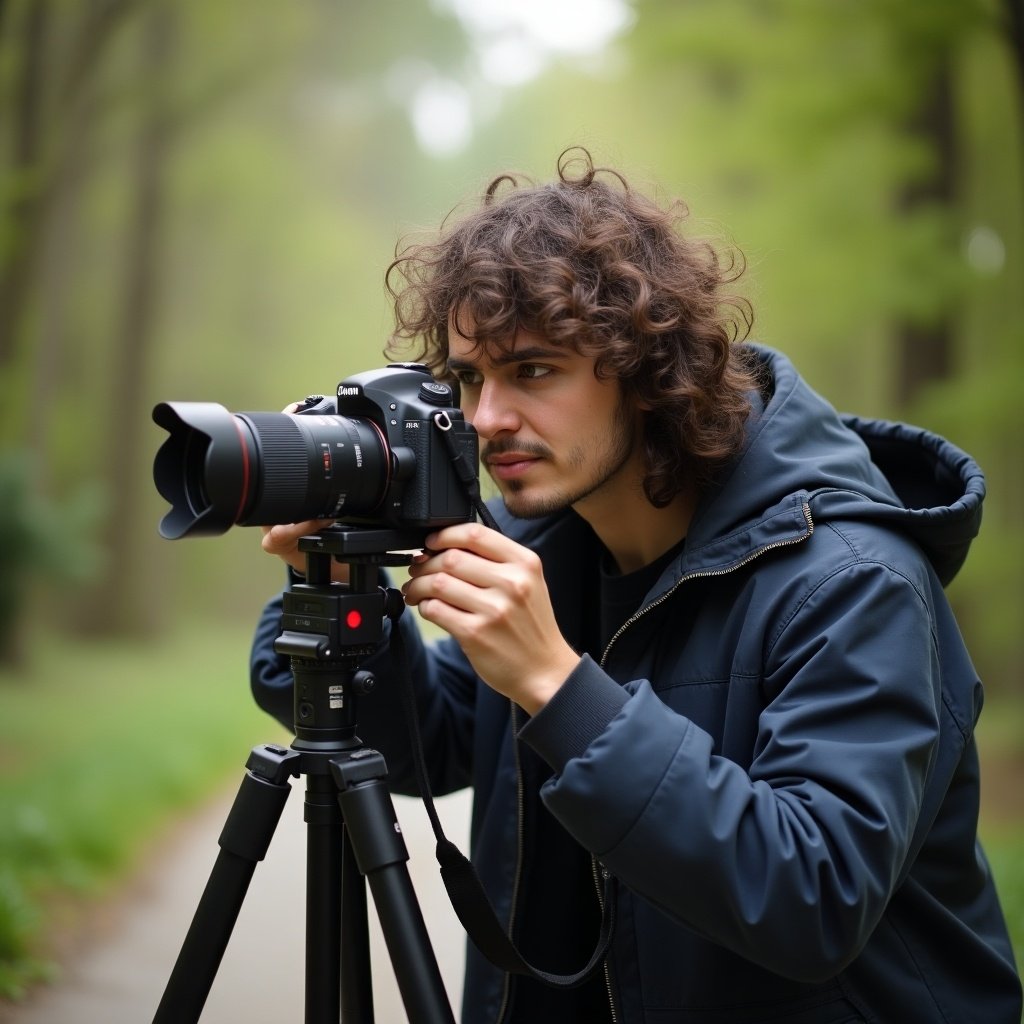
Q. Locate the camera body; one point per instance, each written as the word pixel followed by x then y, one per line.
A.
pixel 412 410
pixel 375 455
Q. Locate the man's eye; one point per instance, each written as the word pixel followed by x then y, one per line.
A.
pixel 468 378
pixel 533 372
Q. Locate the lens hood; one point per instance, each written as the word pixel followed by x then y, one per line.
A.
pixel 203 469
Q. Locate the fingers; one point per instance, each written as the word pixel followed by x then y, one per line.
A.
pixel 488 592
pixel 474 537
pixel 475 553
pixel 289 534
pixel 282 540
pixel 488 572
pixel 452 590
pixel 457 563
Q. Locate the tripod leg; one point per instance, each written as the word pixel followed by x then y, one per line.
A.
pixel 381 855
pixel 244 842
pixel 338 976
pixel 335 914
pixel 356 976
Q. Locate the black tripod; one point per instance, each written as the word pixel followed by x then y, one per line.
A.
pixel 352 830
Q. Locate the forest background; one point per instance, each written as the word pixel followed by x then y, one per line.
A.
pixel 199 200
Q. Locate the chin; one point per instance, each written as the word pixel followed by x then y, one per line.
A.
pixel 523 506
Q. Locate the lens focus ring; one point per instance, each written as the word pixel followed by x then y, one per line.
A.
pixel 284 454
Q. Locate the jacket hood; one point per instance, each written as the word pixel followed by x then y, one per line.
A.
pixel 804 464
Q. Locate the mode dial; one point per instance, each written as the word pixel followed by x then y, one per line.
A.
pixel 435 393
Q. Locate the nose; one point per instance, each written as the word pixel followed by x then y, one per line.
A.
pixel 492 412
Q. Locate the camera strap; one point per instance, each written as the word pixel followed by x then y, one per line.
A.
pixel 465 890
pixel 465 469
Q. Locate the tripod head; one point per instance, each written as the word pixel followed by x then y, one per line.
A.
pixel 329 628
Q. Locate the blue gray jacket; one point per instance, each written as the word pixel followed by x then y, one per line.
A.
pixel 775 754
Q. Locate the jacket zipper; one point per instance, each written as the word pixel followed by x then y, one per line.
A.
pixel 507 990
pixel 622 629
pixel 601 872
pixel 710 572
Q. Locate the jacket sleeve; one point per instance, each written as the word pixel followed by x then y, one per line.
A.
pixel 789 862
pixel 445 688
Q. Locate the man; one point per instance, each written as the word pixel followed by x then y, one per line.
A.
pixel 715 611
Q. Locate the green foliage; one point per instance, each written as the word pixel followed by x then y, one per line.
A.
pixel 19 920
pixel 127 736
pixel 41 541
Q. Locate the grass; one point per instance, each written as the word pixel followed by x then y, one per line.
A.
pixel 100 744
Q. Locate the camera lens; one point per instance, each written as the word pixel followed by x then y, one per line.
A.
pixel 218 469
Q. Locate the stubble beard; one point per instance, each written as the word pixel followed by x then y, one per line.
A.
pixel 522 506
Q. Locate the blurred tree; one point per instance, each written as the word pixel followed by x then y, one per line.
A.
pixel 17 552
pixel 39 539
pixel 1014 13
pixel 53 52
pixel 925 347
pixel 22 200
pixel 114 603
pixel 187 193
pixel 52 62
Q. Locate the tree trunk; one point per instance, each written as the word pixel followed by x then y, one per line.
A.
pixel 51 118
pixel 1015 31
pixel 25 205
pixel 120 601
pixel 924 351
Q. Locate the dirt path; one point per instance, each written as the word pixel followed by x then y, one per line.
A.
pixel 117 975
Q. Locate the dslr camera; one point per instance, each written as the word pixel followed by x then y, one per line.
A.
pixel 389 451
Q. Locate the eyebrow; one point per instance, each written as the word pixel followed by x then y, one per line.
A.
pixel 506 357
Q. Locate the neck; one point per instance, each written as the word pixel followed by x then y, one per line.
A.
pixel 637 533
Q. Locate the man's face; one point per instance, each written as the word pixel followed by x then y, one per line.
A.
pixel 552 435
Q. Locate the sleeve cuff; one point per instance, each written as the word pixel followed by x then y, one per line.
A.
pixel 576 715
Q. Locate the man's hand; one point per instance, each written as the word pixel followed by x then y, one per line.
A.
pixel 488 592
pixel 283 541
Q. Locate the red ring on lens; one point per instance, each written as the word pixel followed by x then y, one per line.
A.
pixel 245 468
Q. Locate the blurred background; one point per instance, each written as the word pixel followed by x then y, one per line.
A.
pixel 198 200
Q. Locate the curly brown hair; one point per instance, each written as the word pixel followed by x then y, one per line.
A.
pixel 588 262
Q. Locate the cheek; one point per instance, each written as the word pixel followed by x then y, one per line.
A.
pixel 577 458
pixel 595 415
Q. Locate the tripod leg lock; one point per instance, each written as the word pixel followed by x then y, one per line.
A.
pixel 273 764
pixel 368 812
pixel 257 808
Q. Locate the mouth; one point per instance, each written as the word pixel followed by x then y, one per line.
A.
pixel 510 465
